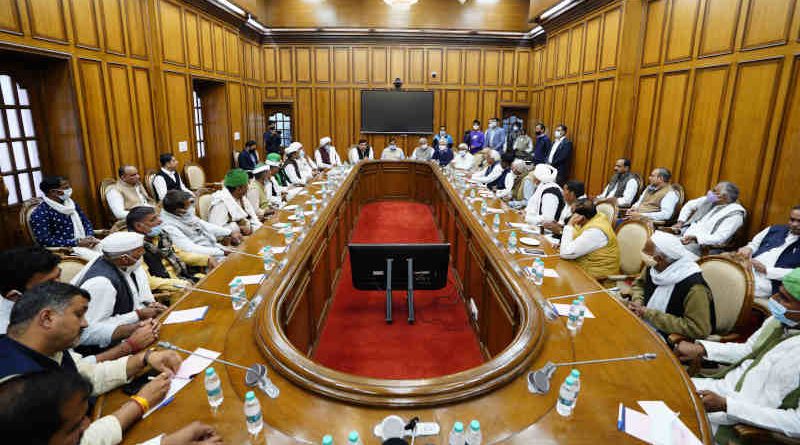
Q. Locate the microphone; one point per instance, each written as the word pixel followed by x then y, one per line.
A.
pixel 255 376
pixel 539 380
pixel 241 252
pixel 599 291
pixel 199 289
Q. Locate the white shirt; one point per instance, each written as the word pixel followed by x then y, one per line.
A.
pixel 219 214
pixel 668 203
pixel 422 153
pixel 553 149
pixel 292 173
pixel 763 285
pixel 509 185
pixel 494 172
pixel 354 158
pixel 628 194
pixel 590 240
pixel 160 185
pixel 101 306
pixel 389 153
pixel 333 156
pixel 117 203
pixel 463 161
pixel 5 313
pixel 200 243
pixel 702 228
pixel 549 205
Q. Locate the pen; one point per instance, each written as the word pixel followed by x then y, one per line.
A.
pixel 621 418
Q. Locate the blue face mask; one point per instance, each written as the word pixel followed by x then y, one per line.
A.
pixel 712 197
pixel 779 312
pixel 155 231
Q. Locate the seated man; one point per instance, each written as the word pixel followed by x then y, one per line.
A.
pixel 503 184
pixel 361 152
pixel 167 267
pixel 280 184
pixel 760 388
pixel 622 187
pixel 671 294
pixel 590 241
pixel 248 158
pixel 291 167
pixel 710 220
pixel 307 167
pixel 57 403
pixel 46 323
pixel 120 293
pixel 260 192
pixel 59 221
pixel 21 269
pixel 463 159
pixel 190 233
pixel 423 152
pixel 492 171
pixel 326 155
pixel 392 152
pixel 443 136
pixel 658 200
pixel 168 177
pixel 773 253
pixel 127 193
pixel 230 209
pixel 443 154
pixel 547 202
pixel 522 189
pixel 573 191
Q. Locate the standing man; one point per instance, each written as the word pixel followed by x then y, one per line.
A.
pixel 442 136
pixel 560 155
pixel 475 138
pixel 495 136
pixel 167 178
pixel 272 140
pixel 127 193
pixel 542 146
pixel 248 158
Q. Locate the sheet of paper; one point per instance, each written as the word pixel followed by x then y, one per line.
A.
pixel 193 365
pixel 637 424
pixel 563 310
pixel 278 249
pixel 494 210
pixel 251 279
pixel 551 273
pixel 186 315
pixel 175 385
pixel 518 225
pixel 641 425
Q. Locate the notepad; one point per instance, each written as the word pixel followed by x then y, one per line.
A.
pixel 251 279
pixel 278 249
pixel 551 273
pixel 494 210
pixel 563 310
pixel 186 315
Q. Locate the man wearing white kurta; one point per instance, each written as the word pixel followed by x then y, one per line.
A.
pixel 326 155
pixel 229 207
pixel 712 219
pixel 307 165
pixel 493 169
pixel 168 172
pixel 119 289
pixel 361 152
pixel 393 152
pixel 547 202
pixel 188 232
pixel 623 185
pixel 762 385
pixel 423 152
pixel 127 193
pixel 463 159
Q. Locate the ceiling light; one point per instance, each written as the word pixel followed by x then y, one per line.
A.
pixel 534 32
pixel 557 9
pixel 345 29
pixel 400 4
pixel 253 23
pixel 229 6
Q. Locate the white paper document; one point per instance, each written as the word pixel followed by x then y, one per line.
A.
pixel 193 365
pixel 659 426
pixel 186 315
pixel 494 210
pixel 252 279
pixel 563 310
pixel 551 273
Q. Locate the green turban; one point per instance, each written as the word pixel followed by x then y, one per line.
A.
pixel 791 282
pixel 235 178
pixel 274 157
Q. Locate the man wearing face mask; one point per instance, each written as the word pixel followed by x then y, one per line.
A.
pixel 590 241
pixel 475 138
pixel 167 267
pixel 761 387
pixel 773 253
pixel 59 221
pixel 361 152
pixel 190 233
pixel 710 220
pixel 120 293
pixel 521 145
pixel 443 137
pixel 542 146
pixel 423 152
pixel 493 169
pixel 463 160
pixel 560 155
pixel 326 154
pixel 393 152
pixel 671 294
pixel 495 136
pixel 444 154
pixel 248 158
pixel 547 202
pixel 308 168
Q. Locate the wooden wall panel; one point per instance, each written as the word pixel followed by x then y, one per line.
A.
pixel 667 125
pixel 788 158
pixel 322 65
pixel 523 67
pixel 452 100
pixel 590 50
pixel 322 106
pixel 416 66
pixel 97 127
pixel 361 65
pixel 599 164
pixel 136 13
pixel 122 106
pixel 492 67
pixel 172 36
pixel 342 119
pixel 285 65
pixel 471 111
pixel 576 43
pixel 643 116
pixel 718 30
pixel 681 30
pixel 508 68
pixel 452 66
pixel 767 23
pixel 379 74
pixel 84 24
pixel 111 12
pixel 305 113
pixel 192 39
pixel 397 63
pixel 586 115
pixel 490 107
pixel 9 16
pixel 302 58
pixel 218 39
pixel 656 13
pixel 270 67
pixel 561 44
pixel 207 44
pixel 609 43
pixel 235 107
pixel 178 103
pixel 144 116
pixel 341 65
pixel 472 67
pixel 47 19
pixel 233 54
pixel 435 63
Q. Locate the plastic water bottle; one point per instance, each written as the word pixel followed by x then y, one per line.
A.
pixel 581 310
pixel 238 294
pixel 566 397
pixel 474 433
pixel 472 193
pixel 538 271
pixel 354 439
pixel 288 236
pixel 456 434
pixel 213 389
pixel 484 208
pixel 299 215
pixel 512 241
pixel 252 413
pixel 496 223
pixel 574 314
pixel 327 439
pixel 269 259
pixel 575 374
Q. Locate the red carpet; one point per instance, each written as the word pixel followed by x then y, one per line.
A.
pixel 357 340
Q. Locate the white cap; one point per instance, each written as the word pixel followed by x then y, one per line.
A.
pixel 670 245
pixel 494 154
pixel 260 168
pixel 545 173
pixel 324 141
pixel 293 147
pixel 121 242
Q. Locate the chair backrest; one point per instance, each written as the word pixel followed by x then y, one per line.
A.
pixel 631 237
pixel 148 183
pixel 681 199
pixel 25 211
pixel 70 266
pixel 195 176
pixel 640 188
pixel 203 203
pixel 609 210
pixel 104 185
pixel 731 284
pixel 235 159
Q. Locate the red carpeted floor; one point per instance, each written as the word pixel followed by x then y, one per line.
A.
pixel 357 340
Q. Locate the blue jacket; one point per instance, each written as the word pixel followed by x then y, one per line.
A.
pixel 444 157
pixel 541 149
pixel 247 160
pixel 789 258
pixel 495 138
pixel 447 137
pixel 54 229
pixel 16 359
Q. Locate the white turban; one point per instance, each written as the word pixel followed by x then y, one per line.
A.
pixel 494 154
pixel 293 147
pixel 121 242
pixel 545 173
pixel 324 141
pixel 670 245
pixel 518 165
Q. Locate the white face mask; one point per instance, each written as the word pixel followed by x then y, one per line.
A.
pixel 648 260
pixel 66 194
pixel 424 145
pixel 492 124
pixel 133 267
pixel 559 133
pixel 476 127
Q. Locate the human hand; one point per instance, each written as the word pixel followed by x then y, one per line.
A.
pixel 247 230
pixel 144 335
pixel 745 253
pixel 637 308
pixel 577 220
pixel 236 238
pixel 148 312
pixel 212 263
pixel 194 433
pixel 689 239
pixel 88 242
pixel 758 266
pixel 155 390
pixel 687 351
pixel 167 362
pixel 712 401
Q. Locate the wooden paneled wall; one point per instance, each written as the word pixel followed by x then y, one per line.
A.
pixel 712 95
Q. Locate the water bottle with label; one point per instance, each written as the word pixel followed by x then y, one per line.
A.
pixel 538 271
pixel 252 413
pixel 566 397
pixel 299 216
pixel 474 436
pixel 572 317
pixel 354 439
pixel 269 258
pixel 496 223
pixel 288 236
pixel 581 310
pixel 484 208
pixel 472 193
pixel 238 294
pixel 327 439
pixel 456 434
pixel 512 242
pixel 575 374
pixel 213 389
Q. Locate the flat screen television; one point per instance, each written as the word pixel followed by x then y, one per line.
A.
pixel 409 112
pixel 430 263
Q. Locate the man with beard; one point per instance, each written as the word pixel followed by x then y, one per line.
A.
pixel 623 185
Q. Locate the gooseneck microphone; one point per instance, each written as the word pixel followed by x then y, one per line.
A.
pixel 598 291
pixel 539 380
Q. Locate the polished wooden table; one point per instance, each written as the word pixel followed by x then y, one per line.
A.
pixel 514 335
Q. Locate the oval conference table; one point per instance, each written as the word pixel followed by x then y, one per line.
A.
pixel 514 334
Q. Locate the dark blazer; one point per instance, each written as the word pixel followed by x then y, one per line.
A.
pixel 247 160
pixel 562 160
pixel 541 148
